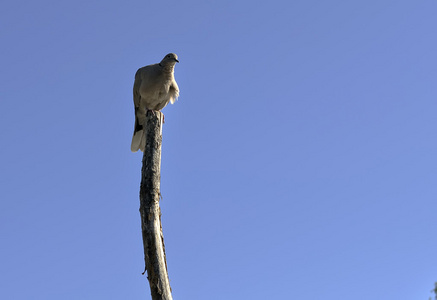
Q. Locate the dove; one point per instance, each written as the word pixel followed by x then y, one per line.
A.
pixel 154 87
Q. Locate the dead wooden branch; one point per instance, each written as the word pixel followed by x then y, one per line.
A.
pixel 153 239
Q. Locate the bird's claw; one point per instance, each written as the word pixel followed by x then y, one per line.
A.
pixel 154 113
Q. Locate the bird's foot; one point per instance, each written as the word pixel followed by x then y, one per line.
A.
pixel 151 111
pixel 154 113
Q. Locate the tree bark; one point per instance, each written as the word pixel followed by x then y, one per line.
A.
pixel 153 239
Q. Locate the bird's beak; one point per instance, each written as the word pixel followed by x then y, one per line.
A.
pixel 176 60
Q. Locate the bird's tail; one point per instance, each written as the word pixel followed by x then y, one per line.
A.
pixel 138 139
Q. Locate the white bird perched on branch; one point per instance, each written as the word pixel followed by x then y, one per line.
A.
pixel 154 88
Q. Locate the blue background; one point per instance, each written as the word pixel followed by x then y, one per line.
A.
pixel 298 163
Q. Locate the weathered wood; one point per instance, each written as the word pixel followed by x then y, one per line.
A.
pixel 153 239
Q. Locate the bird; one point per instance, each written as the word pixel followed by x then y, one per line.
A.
pixel 154 87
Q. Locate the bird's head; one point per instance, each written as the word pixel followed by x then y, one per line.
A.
pixel 170 59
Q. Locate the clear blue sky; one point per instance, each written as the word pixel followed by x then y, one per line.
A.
pixel 300 161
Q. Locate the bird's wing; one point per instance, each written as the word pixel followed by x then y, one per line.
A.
pixel 174 92
pixel 137 85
